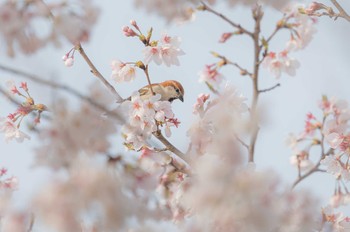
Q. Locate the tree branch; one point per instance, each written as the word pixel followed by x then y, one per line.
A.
pixel 342 12
pixel 158 134
pixel 96 73
pixel 205 7
pixel 257 14
pixel 54 85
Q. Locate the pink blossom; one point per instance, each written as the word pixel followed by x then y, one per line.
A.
pixel 167 51
pixel 69 62
pixel 153 54
pixel 334 140
pixel 332 165
pixel 211 75
pixel 144 117
pixel 281 63
pixel 11 131
pixel 198 107
pixel 122 72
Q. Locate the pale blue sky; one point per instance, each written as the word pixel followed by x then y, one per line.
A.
pixel 325 69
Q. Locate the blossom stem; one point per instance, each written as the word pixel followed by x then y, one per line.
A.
pixel 96 73
pixel 148 79
pixel 220 15
pixel 227 61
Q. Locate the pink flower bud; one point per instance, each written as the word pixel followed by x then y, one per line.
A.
pixel 313 7
pixel 24 86
pixel 69 62
pixel 225 37
pixel 14 90
pixel 65 57
pixel 128 32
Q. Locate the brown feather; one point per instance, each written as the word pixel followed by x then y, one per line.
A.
pixel 177 85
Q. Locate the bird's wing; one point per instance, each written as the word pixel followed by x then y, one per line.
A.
pixel 144 90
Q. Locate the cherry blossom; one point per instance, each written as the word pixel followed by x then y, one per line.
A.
pixel 165 51
pixel 76 132
pixel 304 28
pixel 145 116
pixel 211 75
pixel 122 72
pixel 198 107
pixel 11 131
pixel 18 23
pixel 277 64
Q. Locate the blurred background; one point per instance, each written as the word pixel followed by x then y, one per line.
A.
pixel 325 69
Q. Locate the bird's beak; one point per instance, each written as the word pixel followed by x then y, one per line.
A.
pixel 181 98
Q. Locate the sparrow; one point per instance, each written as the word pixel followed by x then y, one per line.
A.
pixel 169 91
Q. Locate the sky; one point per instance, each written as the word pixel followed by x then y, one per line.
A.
pixel 325 69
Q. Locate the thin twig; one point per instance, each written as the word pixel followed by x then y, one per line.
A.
pixel 242 142
pixel 269 89
pixel 342 12
pixel 302 177
pixel 235 25
pixel 96 73
pixel 316 168
pixel 242 70
pixel 31 222
pixel 148 79
pixel 62 87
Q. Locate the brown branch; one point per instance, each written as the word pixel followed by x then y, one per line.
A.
pixel 342 12
pixel 257 14
pixel 205 7
pixel 158 134
pixel 269 89
pixel 96 73
pixel 311 171
pixel 242 70
pixel 62 87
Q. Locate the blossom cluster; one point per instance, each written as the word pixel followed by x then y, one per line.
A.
pixel 302 30
pixel 146 115
pixel 166 51
pixel 74 133
pixel 11 124
pixel 331 134
pixel 211 128
pixel 18 19
pixel 331 131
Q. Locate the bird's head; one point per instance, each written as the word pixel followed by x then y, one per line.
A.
pixel 174 90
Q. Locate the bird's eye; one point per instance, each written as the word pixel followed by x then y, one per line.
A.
pixel 177 90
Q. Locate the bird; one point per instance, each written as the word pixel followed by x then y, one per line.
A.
pixel 169 90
